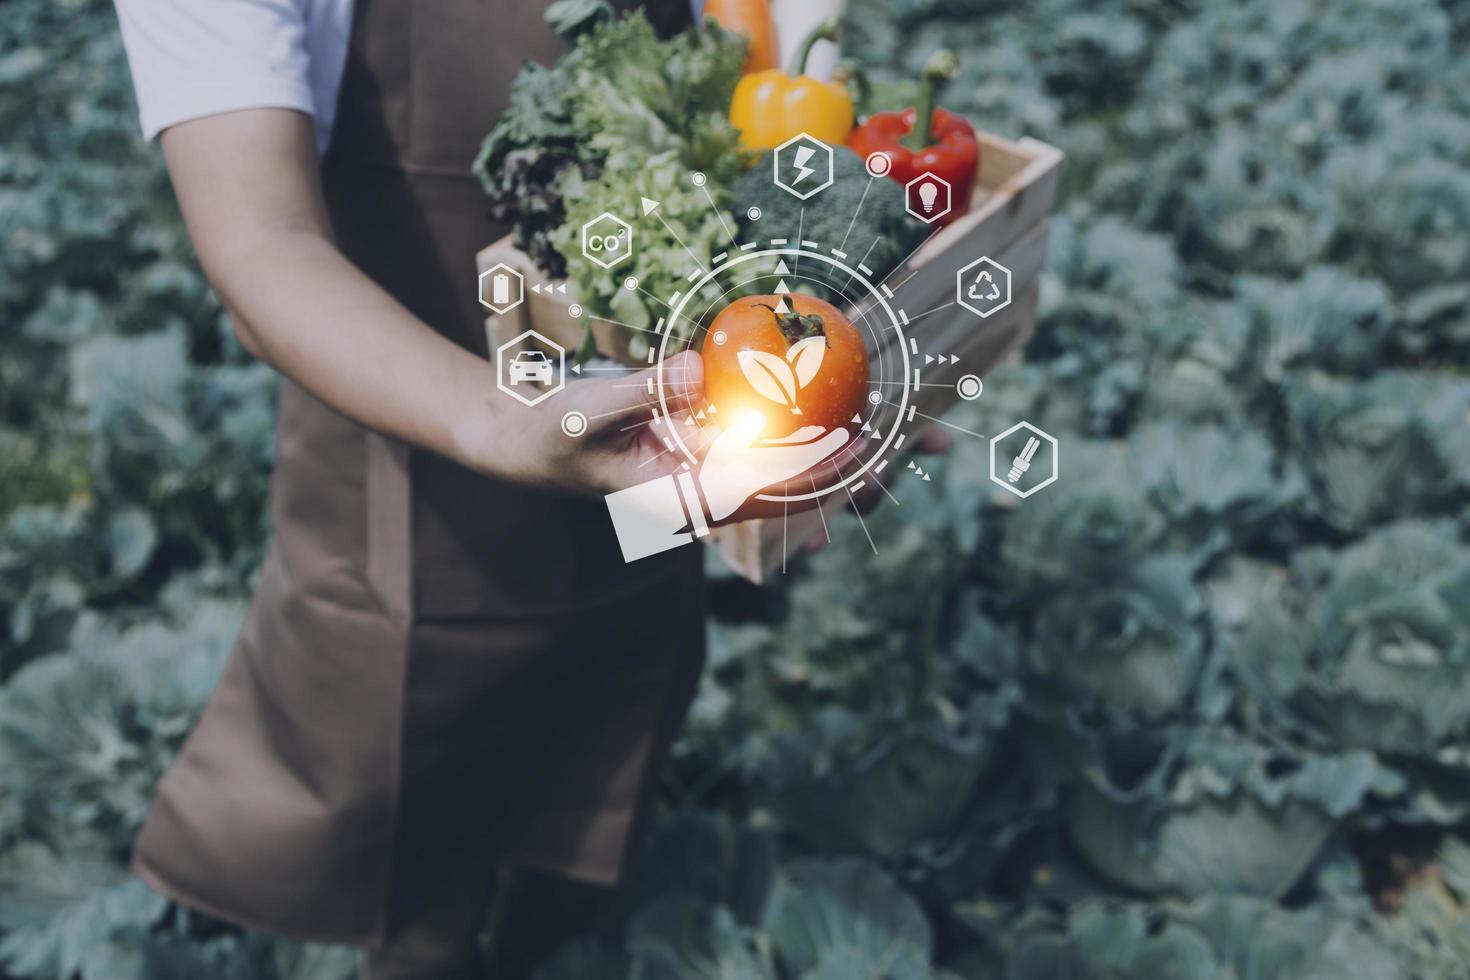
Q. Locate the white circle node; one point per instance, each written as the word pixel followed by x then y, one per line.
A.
pixel 574 424
pixel 879 164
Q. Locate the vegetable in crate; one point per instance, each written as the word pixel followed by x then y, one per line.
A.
pixel 864 217
pixel 618 98
pixel 770 107
pixel 943 145
pixel 660 261
pixel 522 163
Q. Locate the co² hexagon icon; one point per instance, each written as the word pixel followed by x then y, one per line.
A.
pixel 502 288
pixel 607 240
pixel 983 287
pixel 928 197
pixel 531 369
pixel 1015 471
pixel 803 166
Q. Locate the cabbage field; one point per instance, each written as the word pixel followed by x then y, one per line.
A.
pixel 1199 711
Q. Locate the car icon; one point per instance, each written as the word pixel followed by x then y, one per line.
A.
pixel 531 365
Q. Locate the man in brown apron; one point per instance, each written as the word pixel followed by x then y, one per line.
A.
pixel 442 675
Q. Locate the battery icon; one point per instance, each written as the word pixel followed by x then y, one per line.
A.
pixel 500 289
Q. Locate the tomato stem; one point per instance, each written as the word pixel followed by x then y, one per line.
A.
pixel 797 326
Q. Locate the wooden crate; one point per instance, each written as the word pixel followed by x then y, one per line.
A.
pixel 1008 220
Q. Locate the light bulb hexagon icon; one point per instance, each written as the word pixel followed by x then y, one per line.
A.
pixel 1010 466
pixel 928 197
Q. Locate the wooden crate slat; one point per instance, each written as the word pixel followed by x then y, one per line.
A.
pixel 933 285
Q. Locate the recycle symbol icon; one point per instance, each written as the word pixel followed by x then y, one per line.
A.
pixel 984 276
pixel 983 287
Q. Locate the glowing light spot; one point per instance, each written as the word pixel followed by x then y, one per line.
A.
pixel 749 425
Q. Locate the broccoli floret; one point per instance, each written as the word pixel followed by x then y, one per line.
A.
pixel 881 237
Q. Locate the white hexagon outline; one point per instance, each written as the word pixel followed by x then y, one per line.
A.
pixel 908 197
pixel 1056 460
pixel 561 369
pixel 587 254
pixel 959 286
pixel 520 288
pixel 776 167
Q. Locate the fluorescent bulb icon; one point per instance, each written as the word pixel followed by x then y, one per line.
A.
pixel 1041 472
pixel 1022 463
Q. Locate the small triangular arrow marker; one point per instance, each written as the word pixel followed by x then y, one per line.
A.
pixel 781 307
pixel 867 427
pixel 926 478
pixel 781 269
pixel 713 409
pixel 910 465
pixel 928 359
pixel 649 206
pixel 562 288
pixel 953 359
pixel 576 369
pixel 781 288
pixel 857 418
pixel 700 416
pixel 536 288
pixel 689 421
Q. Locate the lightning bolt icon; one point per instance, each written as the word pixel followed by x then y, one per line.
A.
pixel 803 154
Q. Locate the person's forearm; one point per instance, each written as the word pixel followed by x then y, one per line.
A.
pixel 247 183
pixel 323 323
pixel 249 186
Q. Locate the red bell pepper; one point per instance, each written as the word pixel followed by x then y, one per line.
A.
pixel 945 147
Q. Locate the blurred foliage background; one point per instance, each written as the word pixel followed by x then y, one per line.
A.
pixel 1201 710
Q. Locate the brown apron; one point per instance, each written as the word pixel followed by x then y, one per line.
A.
pixel 439 673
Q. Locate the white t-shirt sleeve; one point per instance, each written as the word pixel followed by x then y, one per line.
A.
pixel 193 58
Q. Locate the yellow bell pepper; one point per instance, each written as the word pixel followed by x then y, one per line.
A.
pixel 772 106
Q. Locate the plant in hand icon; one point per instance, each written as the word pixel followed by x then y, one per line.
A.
pixel 779 379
